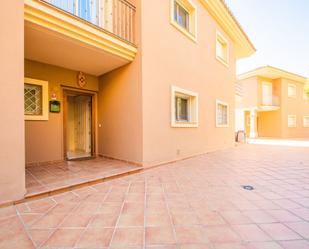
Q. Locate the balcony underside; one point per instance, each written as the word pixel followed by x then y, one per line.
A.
pixel 55 37
pixel 268 108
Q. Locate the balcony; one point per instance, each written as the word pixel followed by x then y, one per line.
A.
pixel 91 36
pixel 270 103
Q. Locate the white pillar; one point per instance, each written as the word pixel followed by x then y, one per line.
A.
pixel 253 124
pixel 239 120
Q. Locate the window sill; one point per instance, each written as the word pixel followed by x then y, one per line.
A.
pixel 225 63
pixel 184 31
pixel 36 117
pixel 185 124
pixel 222 126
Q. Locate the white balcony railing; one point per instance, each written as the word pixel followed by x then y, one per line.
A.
pixel 270 101
pixel 115 16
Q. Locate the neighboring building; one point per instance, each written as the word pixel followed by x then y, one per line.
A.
pixel 271 102
pixel 147 83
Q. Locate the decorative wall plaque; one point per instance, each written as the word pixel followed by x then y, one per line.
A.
pixel 81 79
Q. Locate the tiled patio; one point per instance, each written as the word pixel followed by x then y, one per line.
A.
pixel 193 204
pixel 48 178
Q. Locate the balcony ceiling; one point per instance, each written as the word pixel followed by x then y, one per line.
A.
pixel 57 38
pixel 52 48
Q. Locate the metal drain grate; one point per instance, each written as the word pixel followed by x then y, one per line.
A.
pixel 248 187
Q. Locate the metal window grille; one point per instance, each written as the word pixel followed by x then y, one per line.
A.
pixel 32 99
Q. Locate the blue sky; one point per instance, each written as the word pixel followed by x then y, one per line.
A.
pixel 279 29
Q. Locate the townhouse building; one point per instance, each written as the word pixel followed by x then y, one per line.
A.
pixel 272 102
pixel 146 82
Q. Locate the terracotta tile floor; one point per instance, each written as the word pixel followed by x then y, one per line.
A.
pixel 192 204
pixel 40 179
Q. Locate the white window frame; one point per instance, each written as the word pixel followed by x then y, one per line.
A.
pixel 292 125
pixel 305 96
pixel 192 109
pixel 295 90
pixel 222 40
pixel 45 111
pixel 305 124
pixel 190 7
pixel 219 102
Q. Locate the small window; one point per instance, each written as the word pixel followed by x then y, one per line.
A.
pixel 291 121
pixel 222 114
pixel 183 17
pixel 306 121
pixel 184 108
pixel 222 49
pixel 35 99
pixel 182 104
pixel 292 90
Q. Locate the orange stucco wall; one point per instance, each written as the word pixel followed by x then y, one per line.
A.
pixel 171 58
pixel 269 124
pixel 12 155
pixel 120 107
pixel 51 147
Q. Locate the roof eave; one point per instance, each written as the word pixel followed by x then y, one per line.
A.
pixel 277 72
pixel 225 18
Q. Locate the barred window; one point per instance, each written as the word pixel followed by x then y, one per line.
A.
pixel 292 121
pixel 33 99
pixel 222 113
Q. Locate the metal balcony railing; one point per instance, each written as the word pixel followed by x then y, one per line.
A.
pixel 114 16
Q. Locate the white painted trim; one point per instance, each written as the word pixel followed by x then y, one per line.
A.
pixel 304 123
pixel 228 114
pixel 220 36
pixel 193 108
pixel 189 6
pixel 45 108
pixel 294 86
pixel 292 116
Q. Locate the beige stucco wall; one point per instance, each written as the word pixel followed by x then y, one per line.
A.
pixel 171 58
pixel 12 153
pixel 51 147
pixel 120 107
pixel 250 90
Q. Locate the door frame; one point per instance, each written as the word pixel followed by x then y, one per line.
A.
pixel 71 91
